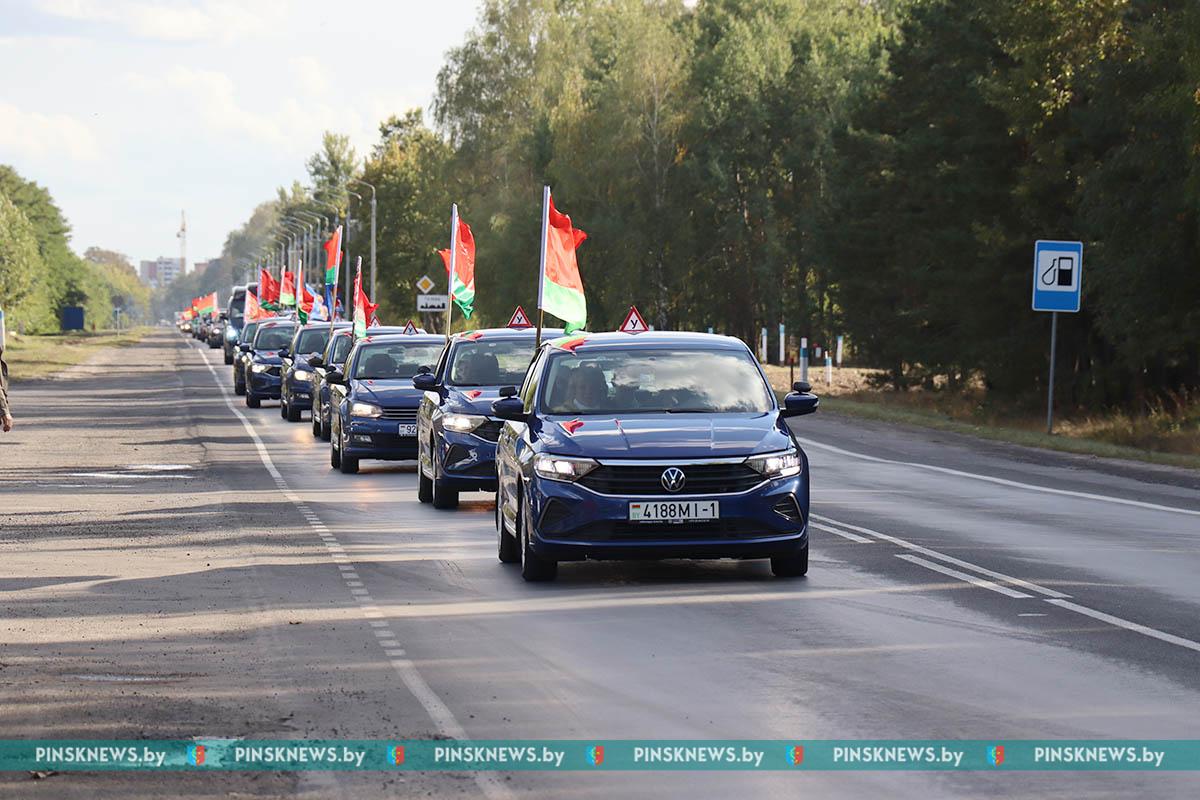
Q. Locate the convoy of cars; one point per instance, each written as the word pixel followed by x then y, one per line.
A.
pixel 595 445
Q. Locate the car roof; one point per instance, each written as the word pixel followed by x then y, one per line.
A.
pixel 337 326
pixel 506 333
pixel 617 340
pixel 412 338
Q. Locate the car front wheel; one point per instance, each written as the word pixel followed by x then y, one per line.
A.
pixel 791 566
pixel 508 549
pixel 533 568
pixel 443 496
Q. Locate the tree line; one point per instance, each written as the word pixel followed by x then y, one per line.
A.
pixel 40 275
pixel 873 168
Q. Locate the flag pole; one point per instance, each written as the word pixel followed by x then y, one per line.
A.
pixel 542 262
pixel 453 264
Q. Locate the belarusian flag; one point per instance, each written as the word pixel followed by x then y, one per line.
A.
pixel 254 311
pixel 333 256
pixel 561 289
pixel 462 281
pixel 287 292
pixel 207 304
pixel 268 290
pixel 364 309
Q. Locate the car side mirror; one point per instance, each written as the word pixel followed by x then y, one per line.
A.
pixel 509 408
pixel 508 391
pixel 799 403
pixel 425 381
pixel 335 376
pixel 283 353
pixel 244 347
pixel 315 360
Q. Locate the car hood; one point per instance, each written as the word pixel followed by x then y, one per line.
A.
pixel 387 393
pixel 267 358
pixel 664 435
pixel 477 400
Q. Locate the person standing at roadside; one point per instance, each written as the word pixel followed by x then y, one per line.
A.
pixel 6 419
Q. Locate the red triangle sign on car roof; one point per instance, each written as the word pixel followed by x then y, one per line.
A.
pixel 410 328
pixel 633 322
pixel 519 319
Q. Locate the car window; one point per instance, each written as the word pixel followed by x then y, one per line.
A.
pixel 529 388
pixel 311 340
pixel 393 361
pixel 648 381
pixel 341 349
pixel 249 331
pixel 275 338
pixel 484 363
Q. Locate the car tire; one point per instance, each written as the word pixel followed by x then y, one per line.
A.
pixel 424 487
pixel 282 407
pixel 533 568
pixel 326 433
pixel 316 425
pixel 228 359
pixel 293 413
pixel 252 401
pixel 335 457
pixel 239 388
pixel 508 549
pixel 443 497
pixel 791 566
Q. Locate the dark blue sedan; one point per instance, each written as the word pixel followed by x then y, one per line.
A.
pixel 456 433
pixel 655 445
pixel 373 401
pixel 296 380
pixel 263 368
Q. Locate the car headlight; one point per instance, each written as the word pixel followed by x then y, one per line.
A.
pixel 462 423
pixel 563 468
pixel 302 375
pixel 364 410
pixel 259 367
pixel 776 465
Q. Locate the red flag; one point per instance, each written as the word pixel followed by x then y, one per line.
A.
pixel 287 291
pixel 561 290
pixel 333 256
pixel 364 309
pixel 254 311
pixel 268 288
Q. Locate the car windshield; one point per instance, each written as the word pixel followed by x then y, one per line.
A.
pixel 341 349
pixel 312 340
pixel 273 338
pixel 393 360
pixel 248 332
pixel 484 363
pixel 638 381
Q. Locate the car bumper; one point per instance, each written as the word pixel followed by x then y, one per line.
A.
pixel 300 392
pixel 263 385
pixel 468 462
pixel 575 523
pixel 377 438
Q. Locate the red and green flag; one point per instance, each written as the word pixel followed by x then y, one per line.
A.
pixel 268 290
pixel 254 311
pixel 333 256
pixel 206 304
pixel 287 291
pixel 560 291
pixel 364 309
pixel 460 264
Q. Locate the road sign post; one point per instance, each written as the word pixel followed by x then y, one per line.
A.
pixel 1057 286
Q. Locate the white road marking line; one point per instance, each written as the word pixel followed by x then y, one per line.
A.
pixel 1002 481
pixel 962 576
pixel 376 623
pixel 1029 614
pixel 1136 627
pixel 1033 587
pixel 434 706
pixel 854 537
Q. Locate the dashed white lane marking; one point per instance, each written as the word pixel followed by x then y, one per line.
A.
pixel 438 711
pixel 925 551
pixel 962 576
pixel 1055 598
pixel 1001 481
pixel 854 537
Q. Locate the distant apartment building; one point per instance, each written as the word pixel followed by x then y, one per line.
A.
pixel 160 272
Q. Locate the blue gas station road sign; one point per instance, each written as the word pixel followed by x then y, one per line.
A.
pixel 1057 275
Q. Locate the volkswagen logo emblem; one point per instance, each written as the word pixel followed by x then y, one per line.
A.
pixel 673 479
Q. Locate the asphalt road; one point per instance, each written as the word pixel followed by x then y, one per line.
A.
pixel 176 565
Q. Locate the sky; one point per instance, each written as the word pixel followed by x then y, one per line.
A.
pixel 129 111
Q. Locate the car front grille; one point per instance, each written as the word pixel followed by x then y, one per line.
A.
pixel 400 414
pixel 490 430
pixel 275 370
pixel 704 479
pixel 620 531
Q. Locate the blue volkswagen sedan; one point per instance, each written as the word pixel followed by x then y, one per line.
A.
pixel 456 434
pixel 655 445
pixel 265 362
pixel 373 401
pixel 296 380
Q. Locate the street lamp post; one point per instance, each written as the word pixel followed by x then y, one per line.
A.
pixel 373 209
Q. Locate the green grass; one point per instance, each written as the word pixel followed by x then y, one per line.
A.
pixel 1160 439
pixel 31 357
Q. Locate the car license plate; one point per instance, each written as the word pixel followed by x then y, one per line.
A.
pixel 674 510
pixel 408 429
